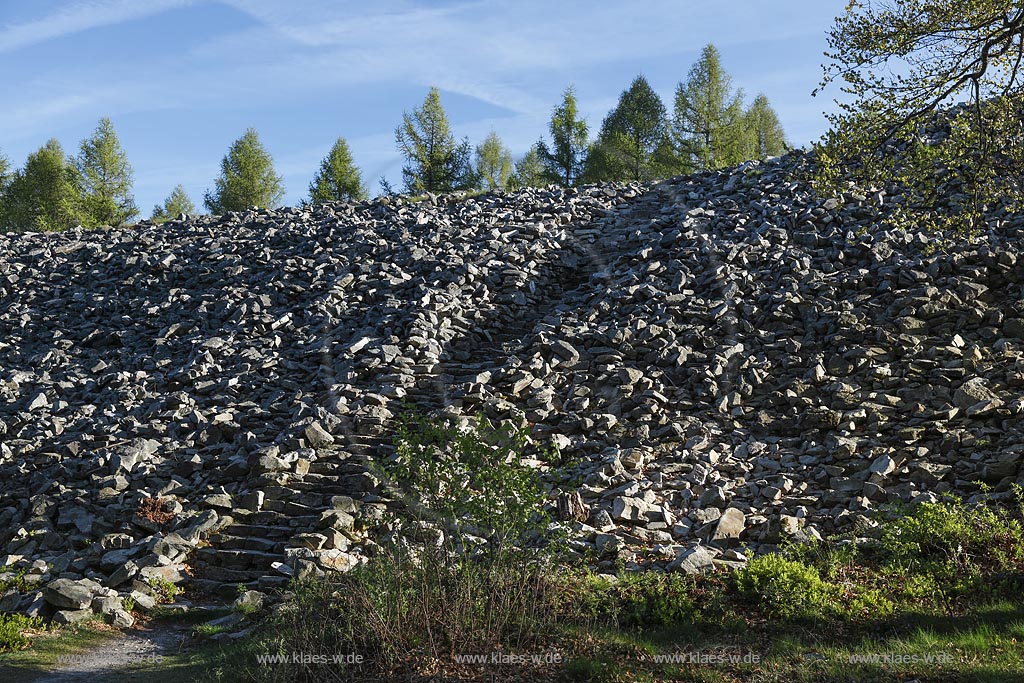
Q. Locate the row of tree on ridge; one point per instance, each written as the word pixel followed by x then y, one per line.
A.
pixel 709 128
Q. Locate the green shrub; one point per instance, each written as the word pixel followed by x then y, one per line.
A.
pixel 786 588
pixel 832 560
pixel 955 534
pixel 650 599
pixel 585 597
pixel 163 590
pixel 470 481
pixel 463 571
pixel 12 628
pixel 950 549
pixel 14 580
pixel 656 600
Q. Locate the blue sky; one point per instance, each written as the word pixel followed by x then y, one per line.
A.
pixel 181 79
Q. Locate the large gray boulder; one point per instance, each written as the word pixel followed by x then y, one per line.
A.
pixel 66 594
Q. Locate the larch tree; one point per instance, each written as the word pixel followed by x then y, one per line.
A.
pixel 630 137
pixel 932 109
pixel 106 178
pixel 493 163
pixel 529 170
pixel 764 130
pixel 338 179
pixel 177 203
pixel 46 194
pixel 435 162
pixel 708 123
pixel 247 178
pixel 565 161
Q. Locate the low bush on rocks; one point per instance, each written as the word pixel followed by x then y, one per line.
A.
pixel 950 550
pixel 152 509
pixel 12 631
pixel 163 590
pixel 15 580
pixel 784 588
pixel 466 482
pixel 462 572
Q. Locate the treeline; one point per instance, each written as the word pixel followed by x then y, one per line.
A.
pixel 709 127
pixel 54 191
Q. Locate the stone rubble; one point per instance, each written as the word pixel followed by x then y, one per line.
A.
pixel 725 361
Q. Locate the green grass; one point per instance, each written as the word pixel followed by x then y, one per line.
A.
pixel 202 662
pixel 207 630
pixel 35 662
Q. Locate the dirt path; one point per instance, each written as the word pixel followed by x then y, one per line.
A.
pixel 107 663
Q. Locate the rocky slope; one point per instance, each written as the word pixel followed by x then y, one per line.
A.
pixel 721 359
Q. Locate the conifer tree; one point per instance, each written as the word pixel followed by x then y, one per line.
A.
pixel 708 124
pixel 247 178
pixel 5 171
pixel 5 181
pixel 529 171
pixel 106 178
pixel 45 194
pixel 630 137
pixel 177 203
pixel 764 131
pixel 435 162
pixel 493 163
pixel 565 161
pixel 338 179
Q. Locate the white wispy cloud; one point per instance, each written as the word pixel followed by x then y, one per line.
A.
pixel 27 116
pixel 80 16
pixel 490 50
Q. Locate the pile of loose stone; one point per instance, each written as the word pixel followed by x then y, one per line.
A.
pixel 724 361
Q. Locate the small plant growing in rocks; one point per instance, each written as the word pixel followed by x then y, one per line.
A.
pixel 469 481
pixel 163 590
pixel 153 510
pixel 208 630
pixel 14 580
